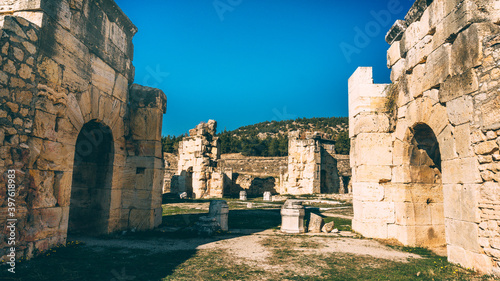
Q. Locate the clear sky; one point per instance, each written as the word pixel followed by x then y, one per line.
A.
pixel 242 62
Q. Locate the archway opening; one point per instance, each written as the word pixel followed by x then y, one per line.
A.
pixel 423 207
pixel 92 179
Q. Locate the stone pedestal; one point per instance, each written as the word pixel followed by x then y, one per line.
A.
pixel 267 196
pixel 243 195
pixel 220 210
pixel 292 217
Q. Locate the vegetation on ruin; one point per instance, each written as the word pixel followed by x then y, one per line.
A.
pixel 270 138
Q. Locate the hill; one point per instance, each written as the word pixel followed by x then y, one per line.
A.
pixel 270 138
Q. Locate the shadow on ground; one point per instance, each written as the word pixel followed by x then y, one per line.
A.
pixel 151 255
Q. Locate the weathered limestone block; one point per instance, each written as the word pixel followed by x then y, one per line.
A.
pixel 366 173
pixel 292 217
pixel 464 170
pixel 315 223
pixel 467 50
pixel 419 53
pixel 370 123
pixel 328 227
pixel 437 67
pixel 490 114
pixel 368 191
pixel 458 86
pixel 393 54
pixel 413 34
pixel 378 212
pixel 462 234
pixel 447 142
pixel 220 210
pixel 365 143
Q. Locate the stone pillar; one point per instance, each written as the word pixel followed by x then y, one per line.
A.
pixel 292 217
pixel 219 209
pixel 371 154
pixel 267 196
pixel 243 195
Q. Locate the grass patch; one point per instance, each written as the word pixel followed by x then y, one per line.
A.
pixel 340 223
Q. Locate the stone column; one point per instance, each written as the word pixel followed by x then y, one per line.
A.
pixel 292 217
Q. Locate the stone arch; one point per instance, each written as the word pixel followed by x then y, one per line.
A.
pixel 90 202
pixel 421 210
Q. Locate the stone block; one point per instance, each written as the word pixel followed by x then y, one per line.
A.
pixel 315 223
pixel 397 70
pixel 486 147
pixel 463 140
pixel 458 86
pixel 103 76
pixel 464 170
pixel 490 114
pixel 437 67
pixel 141 219
pixel 393 54
pixel 419 53
pixel 62 187
pixel 220 210
pixel 381 212
pixel 55 156
pixel 369 123
pixel 367 173
pixel 371 229
pixel 44 125
pixel 447 145
pixel 43 182
pixel 368 191
pixel 413 34
pixel 467 50
pixel 462 234
pixel 365 144
pixel 120 90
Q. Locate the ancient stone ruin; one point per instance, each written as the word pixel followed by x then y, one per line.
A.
pixel 312 167
pixel 81 139
pixel 197 172
pixel 425 147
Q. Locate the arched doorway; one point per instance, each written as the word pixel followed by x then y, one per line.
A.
pixel 92 179
pixel 424 216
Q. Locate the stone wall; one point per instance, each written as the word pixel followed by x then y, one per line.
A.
pixel 254 174
pixel 312 165
pixel 171 161
pixel 424 148
pixel 197 172
pixel 65 109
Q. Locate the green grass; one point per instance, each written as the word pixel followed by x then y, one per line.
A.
pixel 340 223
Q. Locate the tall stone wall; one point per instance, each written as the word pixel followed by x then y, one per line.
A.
pixel 65 107
pixel 424 148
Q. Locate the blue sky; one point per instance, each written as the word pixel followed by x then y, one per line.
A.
pixel 242 62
